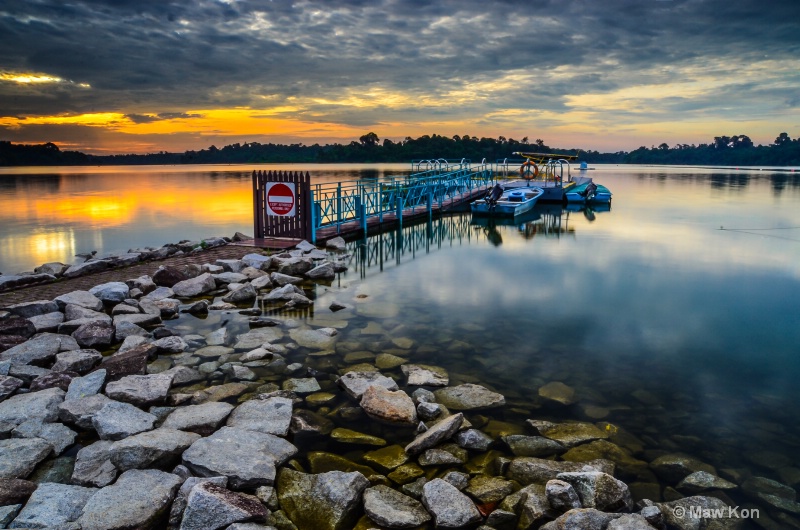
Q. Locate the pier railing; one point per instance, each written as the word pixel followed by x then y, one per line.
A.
pixel 344 202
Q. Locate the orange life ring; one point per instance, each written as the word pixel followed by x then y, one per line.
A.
pixel 528 170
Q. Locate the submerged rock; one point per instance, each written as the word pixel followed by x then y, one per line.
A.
pixel 469 397
pixel 327 501
pixel 450 508
pixel 392 509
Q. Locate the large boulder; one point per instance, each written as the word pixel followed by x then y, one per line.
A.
pixel 325 501
pixel 202 419
pixel 53 505
pixel 390 508
pixel 270 416
pixel 159 448
pixel 195 286
pixel 392 407
pixel 450 508
pixel 79 298
pixel 599 490
pixel 212 506
pixel 111 292
pixel 140 390
pixel 468 397
pixel 138 499
pixel 248 458
pixel 19 456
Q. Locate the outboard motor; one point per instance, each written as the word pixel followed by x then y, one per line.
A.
pixel 494 194
pixel 591 191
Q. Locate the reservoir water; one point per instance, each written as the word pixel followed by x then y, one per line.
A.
pixel 675 314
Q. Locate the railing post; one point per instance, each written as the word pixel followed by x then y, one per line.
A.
pixel 339 208
pixel 429 205
pixel 314 214
pixel 399 212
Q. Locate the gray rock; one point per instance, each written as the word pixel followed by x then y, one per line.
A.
pixel 468 397
pixel 282 280
pixel 140 389
pixel 202 419
pixel 392 407
pixel 262 282
pixel 49 322
pixel 170 345
pixel 244 294
pixel 391 509
pixel 561 495
pixel 306 385
pixel 257 261
pixel 144 283
pixel 8 385
pixel 79 298
pixel 247 458
pixel 317 339
pixel 59 436
pixel 84 314
pixel 11 281
pixel 53 505
pixel 425 375
pixel 93 465
pixel 27 373
pixel 675 467
pixel 94 335
pixel 18 456
pixel 438 457
pixel 124 329
pixel 582 519
pixel 436 434
pixel 226 278
pixel 183 375
pixel 285 292
pixel 8 513
pixel 356 383
pixel 540 446
pixel 38 350
pixel 159 293
pixel 210 506
pixel 80 361
pixel 255 339
pixel 138 499
pixel 85 386
pixel 166 307
pixel 337 243
pixel 15 491
pixel 323 271
pixel 293 266
pixel 271 416
pixel 81 410
pixel 116 421
pixel 333 496
pixel 140 319
pixel 450 508
pixel 194 286
pixel 473 439
pixel 531 470
pixel 33 309
pixel 159 448
pixel 218 337
pixel 599 490
pixel 41 405
pixel 111 292
pixel 703 480
pixel 182 497
pixel 630 521
pixel 686 514
pixel 87 267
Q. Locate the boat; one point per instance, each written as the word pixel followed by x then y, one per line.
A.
pixel 507 202
pixel 548 171
pixel 588 193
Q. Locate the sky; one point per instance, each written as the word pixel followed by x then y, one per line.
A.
pixel 143 76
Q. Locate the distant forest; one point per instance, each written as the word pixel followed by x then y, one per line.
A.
pixel 737 150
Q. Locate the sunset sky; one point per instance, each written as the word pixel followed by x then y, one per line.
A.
pixel 140 76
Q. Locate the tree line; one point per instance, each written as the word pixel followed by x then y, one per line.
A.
pixel 736 150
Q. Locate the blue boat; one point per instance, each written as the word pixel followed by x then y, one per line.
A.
pixel 588 193
pixel 507 202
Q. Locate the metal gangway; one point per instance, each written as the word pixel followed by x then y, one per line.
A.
pixel 437 184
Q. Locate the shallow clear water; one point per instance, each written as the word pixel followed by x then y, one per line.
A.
pixel 675 314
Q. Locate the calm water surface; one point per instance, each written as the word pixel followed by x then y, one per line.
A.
pixel 675 314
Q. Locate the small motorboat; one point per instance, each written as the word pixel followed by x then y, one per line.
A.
pixel 507 203
pixel 588 193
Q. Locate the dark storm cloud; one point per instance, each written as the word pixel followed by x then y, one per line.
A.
pixel 149 58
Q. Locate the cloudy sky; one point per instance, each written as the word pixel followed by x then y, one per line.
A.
pixel 113 76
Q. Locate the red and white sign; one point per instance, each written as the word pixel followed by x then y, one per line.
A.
pixel 280 199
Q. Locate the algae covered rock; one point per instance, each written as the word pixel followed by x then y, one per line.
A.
pixel 327 501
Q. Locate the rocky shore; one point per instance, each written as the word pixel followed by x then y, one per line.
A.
pixel 198 398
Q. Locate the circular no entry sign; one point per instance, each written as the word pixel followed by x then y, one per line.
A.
pixel 280 198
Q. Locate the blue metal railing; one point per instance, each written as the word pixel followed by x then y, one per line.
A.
pixel 344 202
